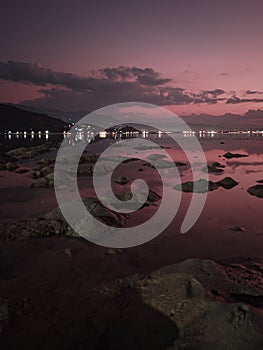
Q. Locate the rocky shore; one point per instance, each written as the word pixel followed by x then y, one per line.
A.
pixel 59 291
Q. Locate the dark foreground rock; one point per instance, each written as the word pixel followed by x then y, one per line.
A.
pixel 53 223
pixel 191 305
pixel 30 152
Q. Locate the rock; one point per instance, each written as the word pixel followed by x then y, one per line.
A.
pixel 227 183
pixel 203 186
pixel 11 166
pixel 146 148
pixel 139 198
pixel 212 169
pixel 44 182
pixel 21 170
pixel 256 190
pixel 85 170
pixel 260 181
pixel 200 186
pixel 237 228
pixel 46 170
pixel 160 164
pixel 121 180
pixel 88 158
pixel 175 311
pixel 67 251
pixel 29 152
pixel 53 223
pixel 218 165
pixel 156 156
pixel 45 161
pixel 114 251
pixel 230 155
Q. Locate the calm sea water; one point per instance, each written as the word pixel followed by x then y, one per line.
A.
pixel 223 208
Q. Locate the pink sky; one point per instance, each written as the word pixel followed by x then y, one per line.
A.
pixel 200 45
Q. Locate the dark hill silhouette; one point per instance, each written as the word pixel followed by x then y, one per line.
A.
pixel 15 119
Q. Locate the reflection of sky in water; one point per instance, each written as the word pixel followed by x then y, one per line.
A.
pixel 224 208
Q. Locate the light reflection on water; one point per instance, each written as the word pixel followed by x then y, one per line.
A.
pixel 224 208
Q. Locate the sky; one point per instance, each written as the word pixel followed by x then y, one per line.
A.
pixel 192 56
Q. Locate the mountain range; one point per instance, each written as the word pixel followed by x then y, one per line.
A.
pixel 45 118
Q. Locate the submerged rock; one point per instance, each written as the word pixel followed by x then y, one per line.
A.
pixel 256 190
pixel 139 199
pixel 212 169
pixel 227 183
pixel 29 152
pixel 203 186
pixel 11 166
pixel 121 180
pixel 85 170
pixel 237 228
pixel 44 182
pixel 22 170
pixel 163 164
pixel 200 186
pixel 230 155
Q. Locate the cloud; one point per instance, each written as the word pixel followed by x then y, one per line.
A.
pixel 236 100
pixel 146 76
pixel 253 92
pixel 106 86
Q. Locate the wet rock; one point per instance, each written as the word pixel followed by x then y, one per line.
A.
pixel 44 182
pixel 139 198
pixel 203 186
pixel 11 166
pixel 44 162
pixel 227 183
pixel 237 228
pixel 68 252
pixel 121 180
pixel 176 312
pixel 230 155
pixel 29 152
pixel 146 148
pixel 218 165
pixel 156 156
pixel 21 170
pixel 212 169
pixel 162 164
pixel 256 190
pixel 53 223
pixel 89 158
pixel 200 186
pixel 85 170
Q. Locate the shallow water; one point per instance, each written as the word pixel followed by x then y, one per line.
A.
pixel 210 236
